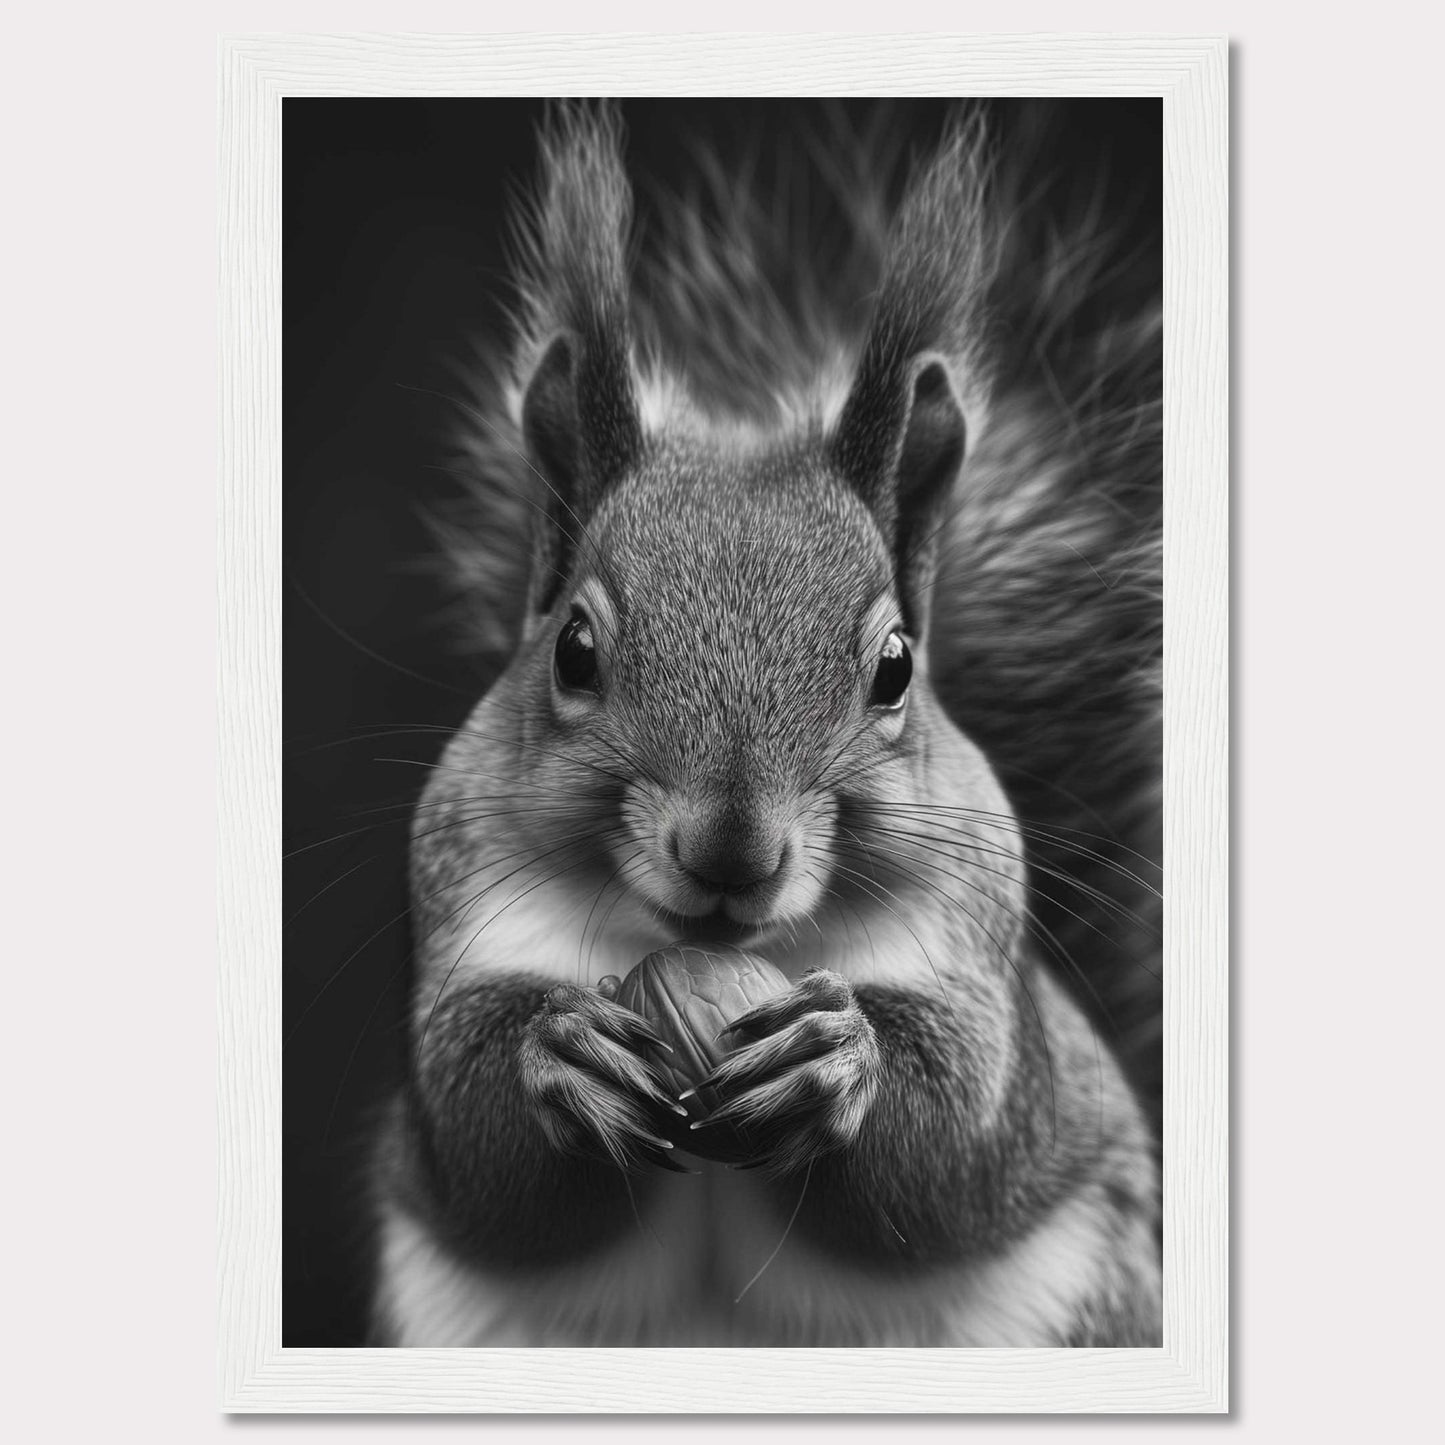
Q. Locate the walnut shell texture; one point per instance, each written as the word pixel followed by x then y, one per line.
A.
pixel 689 993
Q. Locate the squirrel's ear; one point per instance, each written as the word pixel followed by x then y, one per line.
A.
pixel 580 424
pixel 580 418
pixel 549 420
pixel 900 444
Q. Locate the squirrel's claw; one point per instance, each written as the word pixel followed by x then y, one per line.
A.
pixel 805 1086
pixel 590 1089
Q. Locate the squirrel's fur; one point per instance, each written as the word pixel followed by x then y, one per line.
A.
pixel 734 449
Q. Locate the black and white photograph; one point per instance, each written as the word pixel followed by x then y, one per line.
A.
pixel 723 695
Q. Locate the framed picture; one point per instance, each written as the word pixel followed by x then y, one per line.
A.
pixel 726 540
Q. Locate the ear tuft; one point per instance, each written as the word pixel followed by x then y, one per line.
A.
pixel 579 412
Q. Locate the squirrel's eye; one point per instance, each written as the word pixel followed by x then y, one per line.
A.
pixel 576 656
pixel 895 671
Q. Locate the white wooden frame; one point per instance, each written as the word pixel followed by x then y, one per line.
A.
pixel 1190 1372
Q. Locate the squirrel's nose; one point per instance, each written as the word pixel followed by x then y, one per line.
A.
pixel 728 865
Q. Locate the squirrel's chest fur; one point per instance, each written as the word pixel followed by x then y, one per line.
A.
pixel 711 1263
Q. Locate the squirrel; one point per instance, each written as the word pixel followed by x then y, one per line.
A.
pixel 834 633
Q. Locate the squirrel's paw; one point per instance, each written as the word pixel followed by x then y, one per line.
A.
pixel 581 1068
pixel 803 1073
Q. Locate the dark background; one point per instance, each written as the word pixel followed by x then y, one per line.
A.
pixel 394 256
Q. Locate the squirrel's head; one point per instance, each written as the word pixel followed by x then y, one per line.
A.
pixel 735 635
